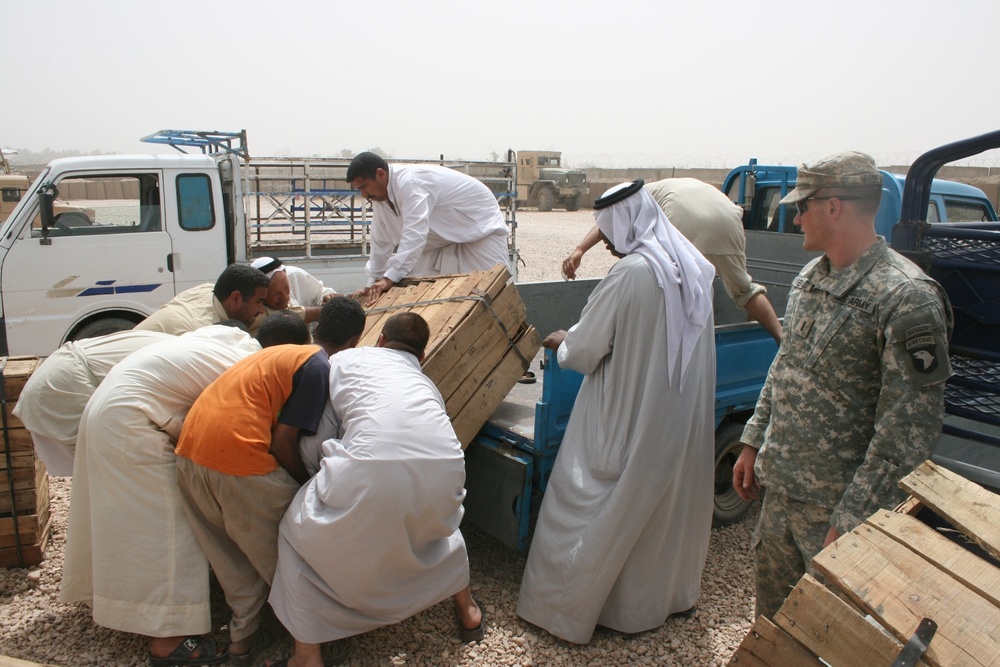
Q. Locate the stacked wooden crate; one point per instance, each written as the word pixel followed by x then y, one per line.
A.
pixel 934 558
pixel 24 489
pixel 480 343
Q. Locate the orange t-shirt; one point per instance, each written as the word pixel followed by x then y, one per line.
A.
pixel 229 426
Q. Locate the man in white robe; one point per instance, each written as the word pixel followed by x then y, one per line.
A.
pixel 52 400
pixel 373 538
pixel 439 221
pixel 624 526
pixel 130 552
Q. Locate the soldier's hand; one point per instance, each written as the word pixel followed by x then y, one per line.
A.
pixel 744 480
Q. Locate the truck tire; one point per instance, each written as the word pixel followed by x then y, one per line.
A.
pixel 729 507
pixel 546 199
pixel 101 327
pixel 573 203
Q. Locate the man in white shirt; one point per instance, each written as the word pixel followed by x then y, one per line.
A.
pixel 440 221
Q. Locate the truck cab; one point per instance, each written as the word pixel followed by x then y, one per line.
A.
pixel 136 231
pixel 543 182
pixel 774 243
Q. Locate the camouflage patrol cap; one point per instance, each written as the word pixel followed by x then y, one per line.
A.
pixel 840 170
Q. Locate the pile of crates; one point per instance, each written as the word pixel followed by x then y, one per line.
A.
pixel 25 521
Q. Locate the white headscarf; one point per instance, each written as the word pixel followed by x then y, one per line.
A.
pixel 268 265
pixel 637 224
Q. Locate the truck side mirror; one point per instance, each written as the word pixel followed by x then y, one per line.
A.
pixel 46 196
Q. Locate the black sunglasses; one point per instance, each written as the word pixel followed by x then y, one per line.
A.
pixel 801 206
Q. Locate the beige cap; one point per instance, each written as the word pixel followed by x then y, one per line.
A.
pixel 840 170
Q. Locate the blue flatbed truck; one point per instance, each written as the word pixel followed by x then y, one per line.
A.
pixel 509 462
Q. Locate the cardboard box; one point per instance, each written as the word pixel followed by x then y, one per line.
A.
pixel 480 343
pixel 25 521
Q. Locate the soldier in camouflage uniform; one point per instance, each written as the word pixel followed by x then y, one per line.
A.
pixel 855 397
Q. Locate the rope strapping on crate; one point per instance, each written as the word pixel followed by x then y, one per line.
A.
pixel 477 295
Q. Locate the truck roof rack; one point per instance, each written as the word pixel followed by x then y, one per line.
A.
pixel 210 141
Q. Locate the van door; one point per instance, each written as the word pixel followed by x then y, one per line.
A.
pixel 106 257
pixel 197 228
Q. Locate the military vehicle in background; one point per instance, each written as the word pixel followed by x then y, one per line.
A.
pixel 542 182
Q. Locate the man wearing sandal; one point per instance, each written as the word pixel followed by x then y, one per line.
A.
pixel 373 538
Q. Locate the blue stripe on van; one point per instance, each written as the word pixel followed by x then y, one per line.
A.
pixel 106 288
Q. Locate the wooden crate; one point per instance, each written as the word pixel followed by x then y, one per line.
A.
pixel 479 345
pixel 23 482
pixel 934 557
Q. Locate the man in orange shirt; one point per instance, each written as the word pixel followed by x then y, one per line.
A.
pixel 238 462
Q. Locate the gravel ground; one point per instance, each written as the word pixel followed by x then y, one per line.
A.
pixel 35 626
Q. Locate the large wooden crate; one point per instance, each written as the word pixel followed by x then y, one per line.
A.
pixel 24 490
pixel 480 343
pixel 935 557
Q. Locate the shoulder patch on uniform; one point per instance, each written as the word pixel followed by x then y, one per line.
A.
pixel 802 283
pixel 924 351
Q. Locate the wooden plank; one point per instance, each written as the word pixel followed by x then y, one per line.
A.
pixel 766 645
pixel 493 389
pixel 964 504
pixel 16 372
pixel 31 554
pixel 899 587
pixel 18 460
pixel 6 661
pixel 832 629
pixel 974 572
pixel 30 528
pixel 19 439
pixel 910 506
pixel 483 356
pixel 24 479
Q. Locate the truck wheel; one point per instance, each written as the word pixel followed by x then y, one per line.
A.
pixel 546 199
pixel 729 507
pixel 102 327
pixel 573 203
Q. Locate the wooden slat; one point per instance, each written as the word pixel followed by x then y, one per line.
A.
pixel 832 629
pixel 964 504
pixel 18 460
pixel 492 390
pixel 15 373
pixel 766 645
pixel 899 587
pixel 19 439
pixel 6 661
pixel 481 359
pixel 31 554
pixel 974 572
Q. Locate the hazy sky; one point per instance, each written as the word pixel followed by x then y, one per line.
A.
pixel 657 82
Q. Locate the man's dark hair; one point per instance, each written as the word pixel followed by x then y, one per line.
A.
pixel 236 324
pixel 340 320
pixel 364 165
pixel 283 328
pixel 241 278
pixel 406 331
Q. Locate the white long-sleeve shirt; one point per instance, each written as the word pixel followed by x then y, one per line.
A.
pixel 430 207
